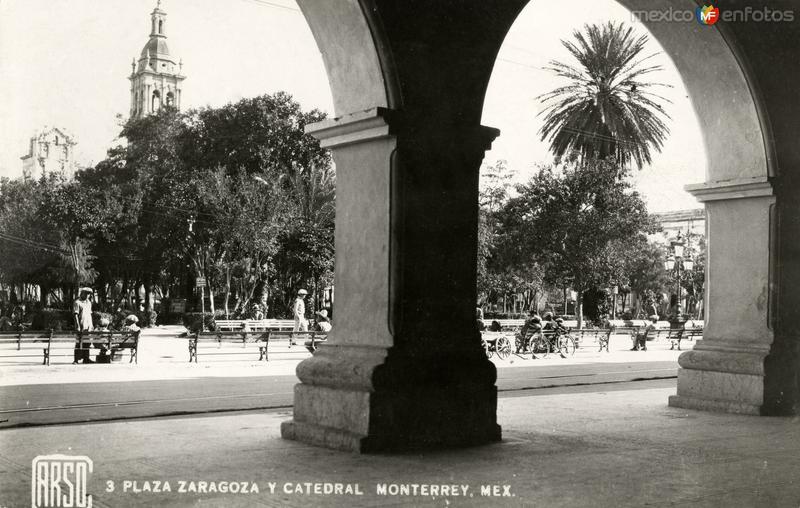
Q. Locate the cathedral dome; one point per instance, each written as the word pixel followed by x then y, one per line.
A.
pixel 156 47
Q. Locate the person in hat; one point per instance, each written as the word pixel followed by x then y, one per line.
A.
pixel 131 323
pixel 323 324
pixel 531 328
pixel 299 312
pixel 82 314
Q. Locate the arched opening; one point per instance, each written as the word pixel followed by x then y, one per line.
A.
pixel 171 99
pixel 155 103
pixel 736 189
pixel 718 153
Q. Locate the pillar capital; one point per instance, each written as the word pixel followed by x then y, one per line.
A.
pixel 740 188
pixel 363 126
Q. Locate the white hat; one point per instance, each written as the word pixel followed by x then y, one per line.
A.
pixel 132 318
pixel 323 313
pixel 86 290
pixel 302 292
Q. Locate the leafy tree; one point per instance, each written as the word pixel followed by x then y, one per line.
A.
pixel 572 220
pixel 607 109
pixel 500 272
pixel 29 245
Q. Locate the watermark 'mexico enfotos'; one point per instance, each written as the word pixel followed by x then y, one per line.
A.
pixel 709 15
pixel 60 481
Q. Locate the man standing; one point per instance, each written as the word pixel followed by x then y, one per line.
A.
pixel 82 313
pixel 299 313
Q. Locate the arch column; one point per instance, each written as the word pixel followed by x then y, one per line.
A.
pixel 726 370
pixel 403 367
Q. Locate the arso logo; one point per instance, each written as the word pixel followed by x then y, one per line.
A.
pixel 707 15
pixel 60 481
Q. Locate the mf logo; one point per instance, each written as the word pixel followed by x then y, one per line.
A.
pixel 60 481
pixel 707 15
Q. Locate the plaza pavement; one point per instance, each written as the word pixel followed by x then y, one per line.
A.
pixel 593 447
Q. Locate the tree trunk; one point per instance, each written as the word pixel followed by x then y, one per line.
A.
pixel 148 297
pixel 211 298
pixel 227 290
pixel 579 308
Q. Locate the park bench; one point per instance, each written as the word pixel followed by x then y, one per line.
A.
pixel 599 335
pixel 245 343
pixel 686 334
pixel 61 344
pixel 114 342
pixel 22 345
pixel 310 338
pixel 229 325
pixel 227 343
pixel 235 325
pixel 269 324
pixel 506 324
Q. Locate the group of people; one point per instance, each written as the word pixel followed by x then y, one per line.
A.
pixel 82 316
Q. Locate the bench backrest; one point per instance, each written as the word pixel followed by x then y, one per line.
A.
pixel 230 336
pixel 229 324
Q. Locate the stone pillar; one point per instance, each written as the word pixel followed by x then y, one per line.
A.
pixel 403 367
pixel 726 369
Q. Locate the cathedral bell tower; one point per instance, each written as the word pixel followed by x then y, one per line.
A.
pixel 156 80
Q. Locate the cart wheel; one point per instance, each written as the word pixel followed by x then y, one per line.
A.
pixel 566 346
pixel 503 348
pixel 486 348
pixel 540 347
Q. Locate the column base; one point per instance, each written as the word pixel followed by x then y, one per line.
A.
pixel 723 377
pixel 395 415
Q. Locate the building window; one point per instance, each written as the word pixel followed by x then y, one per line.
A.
pixel 156 105
pixel 160 26
pixel 170 99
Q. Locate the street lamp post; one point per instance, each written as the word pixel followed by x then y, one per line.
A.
pixel 678 262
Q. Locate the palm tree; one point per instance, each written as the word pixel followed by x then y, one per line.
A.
pixel 606 110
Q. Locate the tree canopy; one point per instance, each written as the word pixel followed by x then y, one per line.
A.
pixel 608 108
pixel 574 220
pixel 238 195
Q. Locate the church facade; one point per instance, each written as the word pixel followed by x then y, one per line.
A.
pixel 50 151
pixel 156 79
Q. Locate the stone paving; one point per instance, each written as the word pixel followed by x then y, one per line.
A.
pixel 621 447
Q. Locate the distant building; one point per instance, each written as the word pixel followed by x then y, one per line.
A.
pixel 156 79
pixel 687 222
pixel 50 151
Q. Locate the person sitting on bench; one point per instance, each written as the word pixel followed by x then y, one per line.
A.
pixel 323 324
pixel 640 339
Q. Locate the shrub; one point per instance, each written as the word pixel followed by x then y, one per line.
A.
pixel 147 319
pixel 170 318
pixel 53 319
pixel 192 321
pixel 98 316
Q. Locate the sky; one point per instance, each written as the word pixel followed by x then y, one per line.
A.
pixel 65 63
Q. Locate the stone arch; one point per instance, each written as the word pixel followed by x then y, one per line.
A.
pixel 404 360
